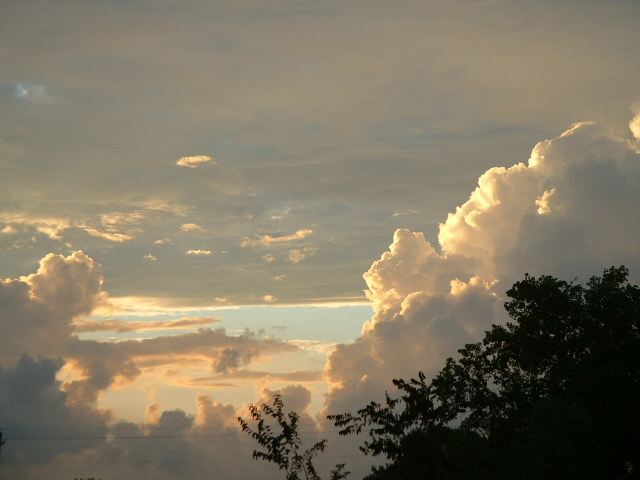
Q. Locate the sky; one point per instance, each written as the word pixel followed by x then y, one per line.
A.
pixel 205 203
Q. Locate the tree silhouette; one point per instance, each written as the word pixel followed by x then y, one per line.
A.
pixel 281 442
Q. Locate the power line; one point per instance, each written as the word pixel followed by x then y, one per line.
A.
pixel 111 435
pixel 148 426
pixel 168 461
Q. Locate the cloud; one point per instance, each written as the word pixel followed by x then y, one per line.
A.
pixel 215 414
pixel 120 326
pixel 194 162
pixel 49 226
pixel 295 376
pixel 192 227
pixel 297 255
pixel 269 240
pixel 294 397
pixel 407 212
pixel 570 212
pixel 32 404
pixel 37 311
pixel 634 124
pixel 41 312
pixel 107 235
pixel 113 225
pixel 49 404
pixel 149 257
pixel 198 252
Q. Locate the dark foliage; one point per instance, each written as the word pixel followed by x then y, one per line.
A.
pixel 277 434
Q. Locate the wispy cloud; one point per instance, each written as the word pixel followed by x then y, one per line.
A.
pixel 120 326
pixel 298 376
pixel 268 240
pixel 299 254
pixel 192 227
pixel 195 161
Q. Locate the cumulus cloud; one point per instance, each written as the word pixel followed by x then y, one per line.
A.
pixel 192 227
pixel 570 211
pixel 198 252
pixel 269 240
pixel 634 124
pixel 299 254
pixel 215 414
pixel 32 404
pixel 37 311
pixel 40 314
pixel 194 161
pixel 51 381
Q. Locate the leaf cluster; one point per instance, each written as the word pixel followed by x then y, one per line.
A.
pixel 277 433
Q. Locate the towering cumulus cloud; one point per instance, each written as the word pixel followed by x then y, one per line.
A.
pixel 37 311
pixel 570 211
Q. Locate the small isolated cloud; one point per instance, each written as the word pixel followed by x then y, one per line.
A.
pixel 149 257
pixel 406 212
pixel 297 255
pixel 279 214
pixel 194 162
pixel 192 227
pixel 269 298
pixel 107 235
pixel 269 258
pixel 198 252
pixel 269 240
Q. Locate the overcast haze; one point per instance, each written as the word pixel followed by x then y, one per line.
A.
pixel 203 203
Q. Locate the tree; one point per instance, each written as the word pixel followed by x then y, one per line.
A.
pixel 552 394
pixel 281 443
